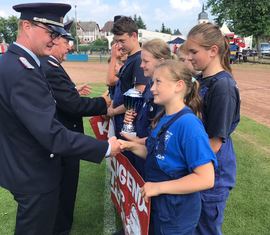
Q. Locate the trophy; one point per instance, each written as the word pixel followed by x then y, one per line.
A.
pixel 133 100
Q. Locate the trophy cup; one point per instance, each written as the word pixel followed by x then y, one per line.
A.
pixel 133 100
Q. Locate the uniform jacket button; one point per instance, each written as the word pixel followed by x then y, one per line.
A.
pixel 51 155
pixel 74 125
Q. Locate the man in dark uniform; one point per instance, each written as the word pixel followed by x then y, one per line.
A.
pixel 70 109
pixel 31 138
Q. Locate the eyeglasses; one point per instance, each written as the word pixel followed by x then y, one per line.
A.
pixel 52 33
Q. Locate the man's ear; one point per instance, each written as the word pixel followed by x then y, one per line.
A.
pixel 134 34
pixel 26 25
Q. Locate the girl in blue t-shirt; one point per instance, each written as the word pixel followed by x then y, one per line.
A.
pixel 209 53
pixel 179 159
pixel 153 53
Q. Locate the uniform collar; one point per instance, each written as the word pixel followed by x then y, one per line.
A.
pixel 51 56
pixel 35 58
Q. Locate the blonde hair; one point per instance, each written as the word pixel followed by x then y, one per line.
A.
pixel 179 71
pixel 158 48
pixel 182 49
pixel 207 35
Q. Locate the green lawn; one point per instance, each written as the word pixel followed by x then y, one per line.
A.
pixel 248 210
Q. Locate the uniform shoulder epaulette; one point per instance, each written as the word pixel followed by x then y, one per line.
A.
pixel 26 63
pixel 53 64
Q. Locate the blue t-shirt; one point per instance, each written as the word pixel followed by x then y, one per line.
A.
pixel 131 73
pixel 221 115
pixel 127 74
pixel 186 145
pixel 221 104
pixel 146 113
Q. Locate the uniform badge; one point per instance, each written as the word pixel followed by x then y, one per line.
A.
pixel 26 63
pixel 53 64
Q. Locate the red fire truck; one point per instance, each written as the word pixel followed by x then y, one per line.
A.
pixel 234 39
pixel 237 44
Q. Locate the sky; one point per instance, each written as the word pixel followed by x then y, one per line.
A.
pixel 175 14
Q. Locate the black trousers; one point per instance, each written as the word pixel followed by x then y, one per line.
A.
pixel 67 196
pixel 36 213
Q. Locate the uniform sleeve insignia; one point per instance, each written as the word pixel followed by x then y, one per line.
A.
pixel 26 63
pixel 53 64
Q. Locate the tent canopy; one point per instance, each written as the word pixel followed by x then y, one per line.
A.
pixel 177 40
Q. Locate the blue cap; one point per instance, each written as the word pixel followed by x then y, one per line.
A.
pixel 51 14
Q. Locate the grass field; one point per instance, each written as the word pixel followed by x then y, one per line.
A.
pixel 248 209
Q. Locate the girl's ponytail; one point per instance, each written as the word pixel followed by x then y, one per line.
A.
pixel 225 57
pixel 192 98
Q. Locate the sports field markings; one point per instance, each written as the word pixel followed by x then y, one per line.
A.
pixel 251 141
pixel 109 214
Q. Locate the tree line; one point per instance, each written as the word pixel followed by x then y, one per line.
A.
pixel 8 28
pixel 249 17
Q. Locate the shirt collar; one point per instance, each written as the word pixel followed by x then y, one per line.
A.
pixel 29 52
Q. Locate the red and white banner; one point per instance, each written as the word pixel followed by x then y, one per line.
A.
pixel 125 187
pixel 100 127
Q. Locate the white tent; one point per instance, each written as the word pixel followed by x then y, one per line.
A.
pixel 225 30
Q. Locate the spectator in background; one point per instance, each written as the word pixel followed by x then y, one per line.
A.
pixel 116 61
pixel 182 55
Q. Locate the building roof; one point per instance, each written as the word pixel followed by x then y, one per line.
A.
pixel 107 26
pixel 89 26
pixel 203 15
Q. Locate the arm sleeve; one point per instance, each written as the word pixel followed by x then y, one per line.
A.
pixel 195 144
pixel 221 109
pixel 68 99
pixel 34 106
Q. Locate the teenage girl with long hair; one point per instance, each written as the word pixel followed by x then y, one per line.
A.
pixel 209 53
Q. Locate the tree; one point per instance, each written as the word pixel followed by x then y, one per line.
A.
pixel 177 32
pixel 99 45
pixel 139 22
pixel 9 28
pixel 165 30
pixel 73 33
pixel 249 17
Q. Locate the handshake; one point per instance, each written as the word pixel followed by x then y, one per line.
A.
pixel 115 146
pixel 119 145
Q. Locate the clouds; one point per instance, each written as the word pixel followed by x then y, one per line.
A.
pixel 3 14
pixel 181 14
pixel 184 5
